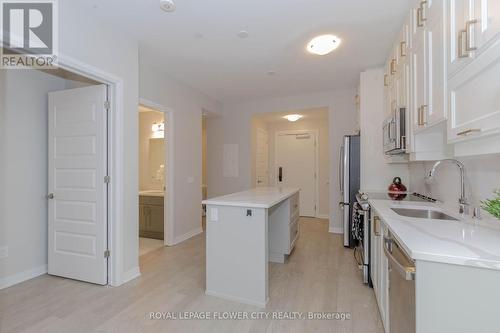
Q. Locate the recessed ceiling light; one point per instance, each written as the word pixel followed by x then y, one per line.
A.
pixel 271 73
pixel 322 45
pixel 293 117
pixel 242 34
pixel 167 5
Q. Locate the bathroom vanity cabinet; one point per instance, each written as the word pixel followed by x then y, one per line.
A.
pixel 151 216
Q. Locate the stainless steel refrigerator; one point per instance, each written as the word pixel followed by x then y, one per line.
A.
pixel 349 179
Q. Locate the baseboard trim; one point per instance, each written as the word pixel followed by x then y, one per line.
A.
pixel 187 235
pixel 336 230
pixel 131 274
pixel 237 299
pixel 29 274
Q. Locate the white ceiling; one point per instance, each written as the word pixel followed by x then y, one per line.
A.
pixel 198 43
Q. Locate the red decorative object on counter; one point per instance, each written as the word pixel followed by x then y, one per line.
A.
pixel 397 191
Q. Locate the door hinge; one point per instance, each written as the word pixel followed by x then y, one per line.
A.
pixel 107 105
pixel 107 253
pixel 107 179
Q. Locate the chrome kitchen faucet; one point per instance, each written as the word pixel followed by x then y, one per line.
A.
pixel 464 204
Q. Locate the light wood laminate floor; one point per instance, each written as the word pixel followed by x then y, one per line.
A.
pixel 320 276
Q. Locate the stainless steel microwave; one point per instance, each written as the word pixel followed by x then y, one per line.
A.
pixel 394 130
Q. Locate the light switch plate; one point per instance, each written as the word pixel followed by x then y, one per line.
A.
pixel 214 214
pixel 4 252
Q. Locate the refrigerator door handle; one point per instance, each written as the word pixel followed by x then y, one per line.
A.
pixel 341 169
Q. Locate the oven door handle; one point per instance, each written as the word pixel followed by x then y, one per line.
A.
pixel 408 273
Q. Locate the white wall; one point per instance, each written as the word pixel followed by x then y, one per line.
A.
pixel 234 127
pixel 483 176
pixel 23 177
pixel 146 121
pixel 376 173
pixel 187 105
pixel 324 156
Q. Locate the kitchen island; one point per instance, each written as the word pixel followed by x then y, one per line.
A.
pixel 245 231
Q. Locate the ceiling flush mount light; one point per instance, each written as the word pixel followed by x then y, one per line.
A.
pixel 167 5
pixel 243 34
pixel 293 117
pixel 322 45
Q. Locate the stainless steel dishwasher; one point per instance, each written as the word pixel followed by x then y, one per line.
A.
pixel 401 287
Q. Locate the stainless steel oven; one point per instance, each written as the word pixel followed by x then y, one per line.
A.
pixel 401 287
pixel 361 234
pixel 394 130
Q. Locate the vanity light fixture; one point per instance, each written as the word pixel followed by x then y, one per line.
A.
pixel 158 130
pixel 322 45
pixel 293 117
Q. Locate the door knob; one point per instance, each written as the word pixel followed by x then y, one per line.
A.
pixel 50 196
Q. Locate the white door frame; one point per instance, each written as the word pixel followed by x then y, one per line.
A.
pixel 315 134
pixel 168 222
pixel 115 161
pixel 256 176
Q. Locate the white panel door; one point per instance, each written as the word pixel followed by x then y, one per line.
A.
pixel 296 156
pixel 77 190
pixel 262 158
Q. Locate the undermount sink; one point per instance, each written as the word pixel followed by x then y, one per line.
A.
pixel 423 214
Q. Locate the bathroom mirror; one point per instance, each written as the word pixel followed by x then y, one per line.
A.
pixel 157 160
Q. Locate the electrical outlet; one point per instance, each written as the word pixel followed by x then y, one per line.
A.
pixel 4 252
pixel 214 214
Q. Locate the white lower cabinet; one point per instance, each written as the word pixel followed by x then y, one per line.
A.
pixel 379 268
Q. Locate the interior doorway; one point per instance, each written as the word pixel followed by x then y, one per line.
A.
pixel 296 157
pixel 152 179
pixel 294 154
pixel 262 158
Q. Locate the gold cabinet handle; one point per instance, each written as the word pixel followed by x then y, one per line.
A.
pixel 402 49
pixel 424 121
pixel 469 40
pixel 376 226
pixel 386 80
pixel 423 13
pixel 421 115
pixel 461 48
pixel 419 17
pixel 469 131
pixel 393 66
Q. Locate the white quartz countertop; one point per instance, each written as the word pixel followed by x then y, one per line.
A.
pixel 261 197
pixel 460 242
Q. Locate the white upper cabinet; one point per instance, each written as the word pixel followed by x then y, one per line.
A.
pixel 459 13
pixel 435 62
pixel 429 64
pixel 473 25
pixel 474 89
pixel 485 23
